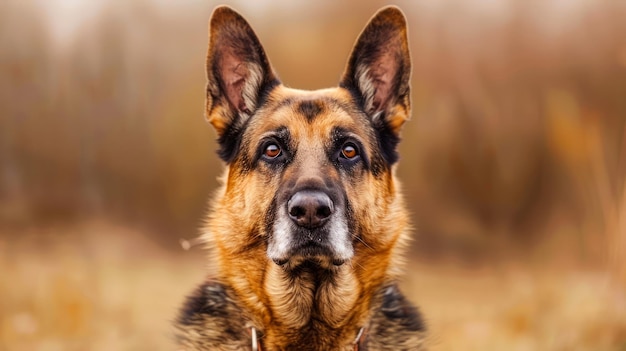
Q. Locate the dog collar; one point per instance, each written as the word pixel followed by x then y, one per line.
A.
pixel 256 345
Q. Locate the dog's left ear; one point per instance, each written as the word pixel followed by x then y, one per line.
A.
pixel 379 70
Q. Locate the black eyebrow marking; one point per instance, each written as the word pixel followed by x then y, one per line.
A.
pixel 310 108
pixel 340 133
pixel 281 135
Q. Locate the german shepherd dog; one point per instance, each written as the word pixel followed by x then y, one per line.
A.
pixel 308 229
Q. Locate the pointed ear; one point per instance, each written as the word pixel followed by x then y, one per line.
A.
pixel 238 74
pixel 379 69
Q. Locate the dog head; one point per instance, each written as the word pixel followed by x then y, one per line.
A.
pixel 310 173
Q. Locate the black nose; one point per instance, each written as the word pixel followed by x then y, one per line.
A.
pixel 310 209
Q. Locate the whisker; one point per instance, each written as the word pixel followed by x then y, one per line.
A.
pixel 352 263
pixel 364 243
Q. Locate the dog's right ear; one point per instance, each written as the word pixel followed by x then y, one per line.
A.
pixel 238 74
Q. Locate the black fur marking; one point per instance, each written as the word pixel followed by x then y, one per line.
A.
pixel 229 141
pixel 208 299
pixel 354 92
pixel 310 109
pixel 387 139
pixel 211 317
pixel 352 223
pixel 264 94
pixel 270 217
pixel 397 308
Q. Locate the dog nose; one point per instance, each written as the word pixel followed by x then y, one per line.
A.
pixel 310 209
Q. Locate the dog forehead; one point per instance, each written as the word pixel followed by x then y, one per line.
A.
pixel 310 113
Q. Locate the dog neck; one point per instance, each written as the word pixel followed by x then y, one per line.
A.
pixel 308 292
pixel 310 303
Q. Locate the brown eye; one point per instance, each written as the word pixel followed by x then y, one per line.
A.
pixel 349 152
pixel 272 151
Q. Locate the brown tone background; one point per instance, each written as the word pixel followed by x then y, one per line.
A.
pixel 513 165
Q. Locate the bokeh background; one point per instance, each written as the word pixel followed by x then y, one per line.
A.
pixel 513 165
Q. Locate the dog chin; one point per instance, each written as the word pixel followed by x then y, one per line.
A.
pixel 311 254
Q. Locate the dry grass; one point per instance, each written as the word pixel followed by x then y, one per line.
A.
pixel 97 286
pixel 521 309
pixel 92 287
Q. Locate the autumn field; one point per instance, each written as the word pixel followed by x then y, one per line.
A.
pixel 513 165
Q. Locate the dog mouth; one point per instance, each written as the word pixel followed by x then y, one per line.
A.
pixel 311 252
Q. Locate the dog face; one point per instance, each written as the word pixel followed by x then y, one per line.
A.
pixel 310 173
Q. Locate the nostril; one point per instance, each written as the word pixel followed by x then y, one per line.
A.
pixel 297 211
pixel 323 212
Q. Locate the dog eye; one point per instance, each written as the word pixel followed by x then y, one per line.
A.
pixel 272 151
pixel 349 151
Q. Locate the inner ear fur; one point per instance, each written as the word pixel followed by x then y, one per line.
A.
pixel 379 69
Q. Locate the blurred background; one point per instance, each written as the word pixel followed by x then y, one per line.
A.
pixel 513 165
